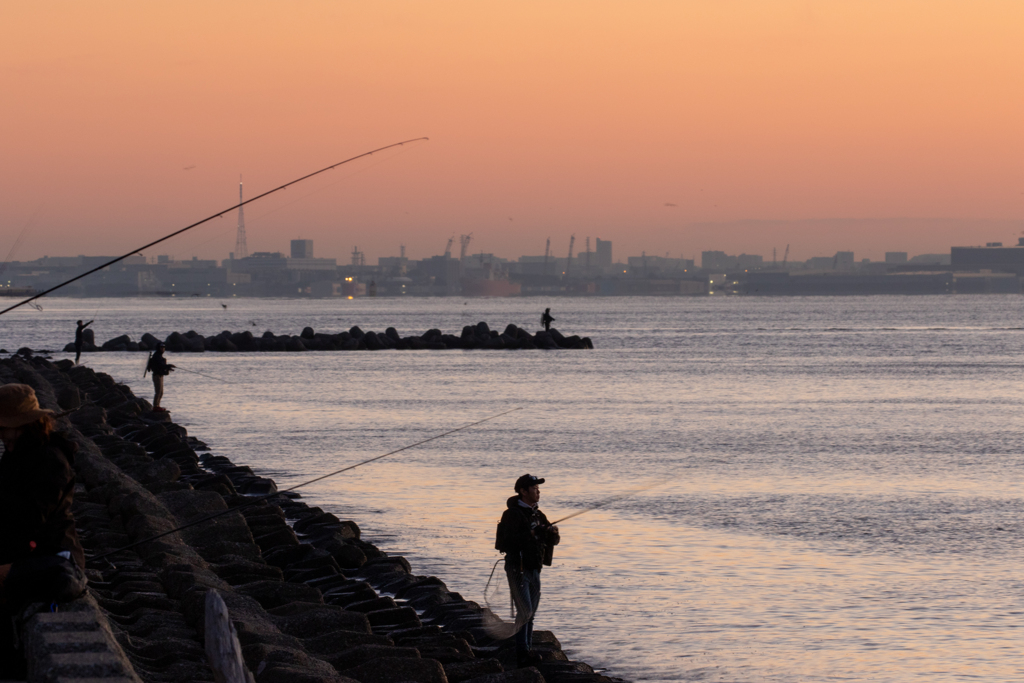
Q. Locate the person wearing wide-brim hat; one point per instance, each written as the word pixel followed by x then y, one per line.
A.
pixel 41 559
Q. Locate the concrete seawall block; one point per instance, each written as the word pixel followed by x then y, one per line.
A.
pixel 74 644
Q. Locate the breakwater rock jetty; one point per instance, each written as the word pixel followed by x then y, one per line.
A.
pixel 310 599
pixel 479 336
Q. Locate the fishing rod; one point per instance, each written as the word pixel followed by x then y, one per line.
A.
pixel 609 501
pixel 203 374
pixel 260 499
pixel 219 214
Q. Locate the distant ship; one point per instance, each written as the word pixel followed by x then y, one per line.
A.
pixel 17 291
pixel 489 280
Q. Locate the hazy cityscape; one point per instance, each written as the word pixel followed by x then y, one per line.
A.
pixel 594 270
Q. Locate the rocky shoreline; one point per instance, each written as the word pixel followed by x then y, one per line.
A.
pixel 312 601
pixel 479 336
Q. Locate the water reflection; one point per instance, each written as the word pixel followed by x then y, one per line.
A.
pixel 847 504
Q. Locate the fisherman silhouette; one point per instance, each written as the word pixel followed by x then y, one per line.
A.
pixel 526 538
pixel 80 339
pixel 546 320
pixel 160 368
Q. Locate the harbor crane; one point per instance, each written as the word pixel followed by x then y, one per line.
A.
pixel 785 256
pixel 547 253
pixel 464 245
pixel 448 249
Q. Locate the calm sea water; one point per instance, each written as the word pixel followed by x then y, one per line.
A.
pixel 840 492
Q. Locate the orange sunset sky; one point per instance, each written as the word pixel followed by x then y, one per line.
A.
pixel 670 127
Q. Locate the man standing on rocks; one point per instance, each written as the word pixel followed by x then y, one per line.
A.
pixel 547 319
pixel 527 539
pixel 80 339
pixel 160 368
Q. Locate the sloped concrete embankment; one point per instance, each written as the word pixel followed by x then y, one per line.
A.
pixel 479 336
pixel 311 600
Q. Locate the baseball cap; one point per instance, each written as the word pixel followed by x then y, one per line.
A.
pixel 526 481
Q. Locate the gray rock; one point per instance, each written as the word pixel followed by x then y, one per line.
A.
pixel 68 398
pixel 398 670
pixel 336 641
pixel 406 616
pixel 372 605
pixel 464 671
pixel 308 620
pixel 275 593
pixel 158 472
pixel 292 674
pixel 360 654
pixel 525 675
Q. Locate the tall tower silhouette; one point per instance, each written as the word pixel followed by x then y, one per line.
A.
pixel 241 248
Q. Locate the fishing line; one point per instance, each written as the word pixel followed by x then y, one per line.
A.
pixel 219 214
pixel 260 499
pixel 203 374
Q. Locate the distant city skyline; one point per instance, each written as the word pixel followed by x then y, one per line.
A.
pixel 744 237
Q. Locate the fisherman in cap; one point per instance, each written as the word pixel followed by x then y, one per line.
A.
pixel 527 538
pixel 160 368
pixel 41 560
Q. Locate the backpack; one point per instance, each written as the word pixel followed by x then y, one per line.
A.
pixel 501 540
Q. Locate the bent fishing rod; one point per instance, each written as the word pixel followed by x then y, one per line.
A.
pixel 260 499
pixel 219 214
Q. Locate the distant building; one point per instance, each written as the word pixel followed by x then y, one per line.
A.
pixel 931 260
pixel 747 261
pixel 714 260
pixel 273 274
pixel 393 265
pixel 302 248
pixel 841 260
pixel 658 265
pixel 720 261
pixel 819 263
pixel 895 257
pixel 994 256
pixel 604 253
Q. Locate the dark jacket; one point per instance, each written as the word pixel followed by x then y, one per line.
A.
pixel 37 485
pixel 527 535
pixel 158 364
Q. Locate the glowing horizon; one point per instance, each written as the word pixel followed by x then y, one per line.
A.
pixel 664 127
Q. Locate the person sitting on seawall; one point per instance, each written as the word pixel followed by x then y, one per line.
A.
pixel 160 368
pixel 41 560
pixel 526 537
